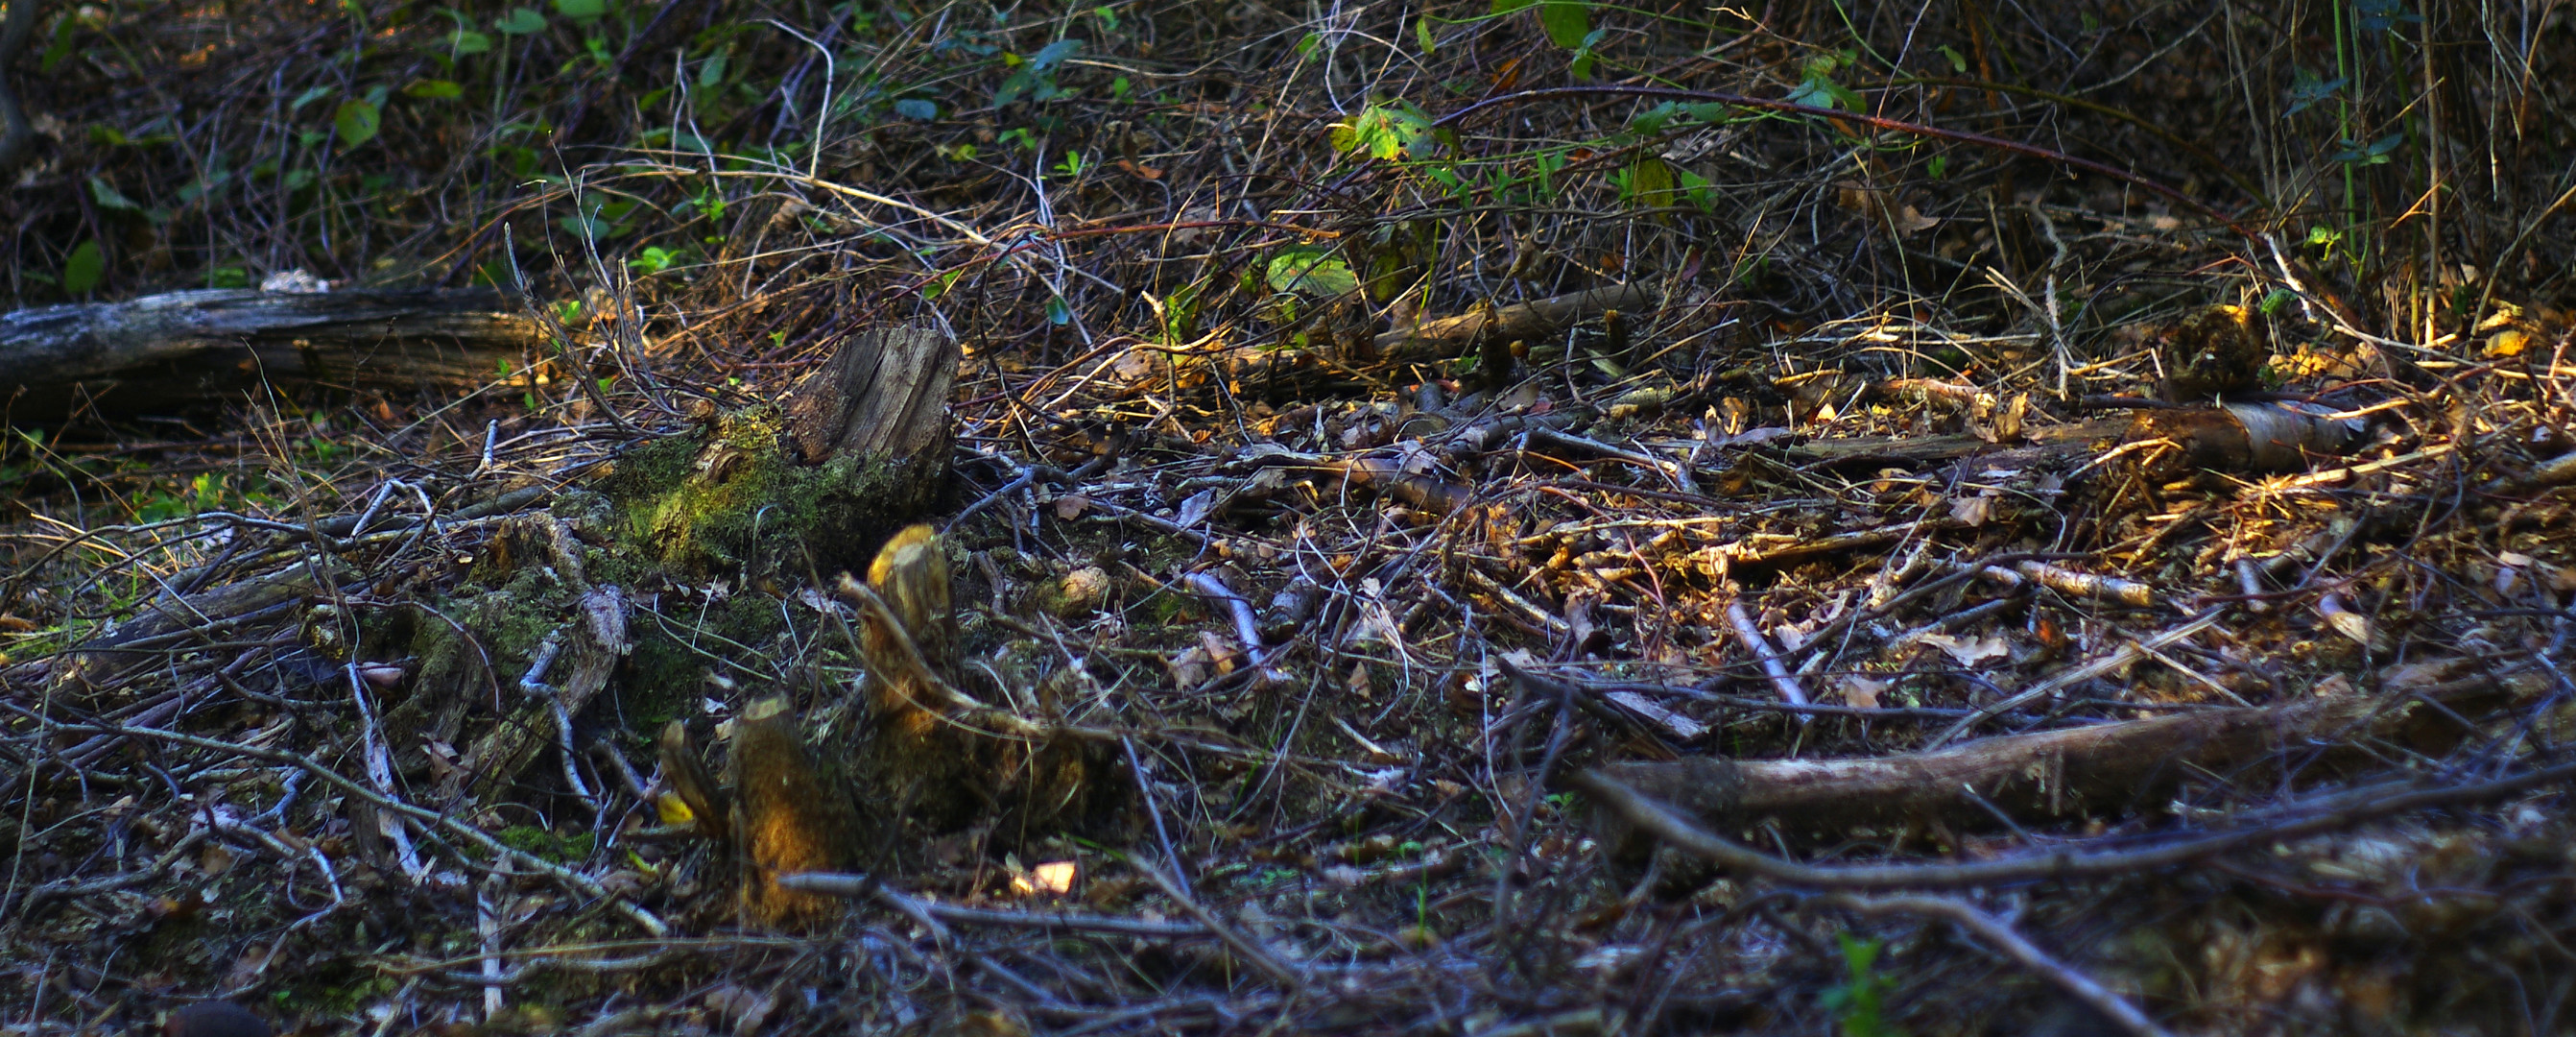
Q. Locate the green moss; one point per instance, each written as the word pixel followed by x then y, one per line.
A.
pixel 734 501
pixel 673 653
pixel 561 849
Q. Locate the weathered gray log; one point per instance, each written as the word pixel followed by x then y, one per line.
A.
pixel 2045 775
pixel 183 347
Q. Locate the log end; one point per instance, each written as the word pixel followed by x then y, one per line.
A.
pixel 1706 788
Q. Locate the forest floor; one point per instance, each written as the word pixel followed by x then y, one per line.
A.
pixel 1494 519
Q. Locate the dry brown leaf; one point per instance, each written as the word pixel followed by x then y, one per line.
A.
pixel 1968 651
pixel 1860 692
pixel 1975 511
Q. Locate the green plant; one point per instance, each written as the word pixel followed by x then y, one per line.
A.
pixel 1855 1002
pixel 1818 88
pixel 84 268
pixel 1568 24
pixel 1387 132
pixel 1033 77
pixel 652 259
pixel 1310 270
pixel 1177 315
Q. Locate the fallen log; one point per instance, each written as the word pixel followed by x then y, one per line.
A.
pixel 1264 369
pixel 2240 437
pixel 183 348
pixel 1449 336
pixel 2039 776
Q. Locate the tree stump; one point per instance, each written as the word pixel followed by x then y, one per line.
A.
pixel 852 453
pixel 789 818
pixel 940 746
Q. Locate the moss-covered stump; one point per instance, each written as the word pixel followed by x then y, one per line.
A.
pixel 530 595
pixel 854 452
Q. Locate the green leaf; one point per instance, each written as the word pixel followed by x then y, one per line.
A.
pixel 916 109
pixel 434 90
pixel 82 270
pixel 1696 189
pixel 1057 312
pixel 1422 35
pixel 1650 182
pixel 1385 133
pixel 581 10
pixel 1510 6
pixel 2278 298
pixel 2371 154
pixel 1311 270
pixel 651 259
pixel 1651 121
pixel 467 41
pixel 1047 57
pixel 108 197
pixel 357 122
pixel 1013 88
pixel 2306 89
pixel 61 47
pixel 1567 23
pixel 308 97
pixel 520 22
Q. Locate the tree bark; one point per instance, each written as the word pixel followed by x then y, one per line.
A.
pixel 194 347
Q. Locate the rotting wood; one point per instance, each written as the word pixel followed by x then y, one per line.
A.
pixel 192 347
pixel 595 642
pixel 853 452
pixel 1261 367
pixel 1859 450
pixel 178 622
pixel 1448 336
pixel 931 754
pixel 685 772
pixel 788 819
pixel 2041 775
pixel 882 395
pixel 2320 813
pixel 2238 437
pixel 913 755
